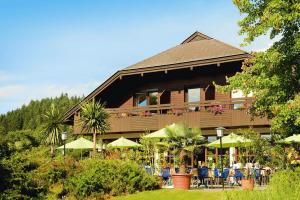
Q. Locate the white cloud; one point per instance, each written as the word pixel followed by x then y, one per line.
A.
pixel 11 91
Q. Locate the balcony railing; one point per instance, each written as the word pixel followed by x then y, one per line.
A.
pixel 215 107
pixel 208 114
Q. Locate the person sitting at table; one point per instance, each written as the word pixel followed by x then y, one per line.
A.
pixel 235 165
pixel 231 176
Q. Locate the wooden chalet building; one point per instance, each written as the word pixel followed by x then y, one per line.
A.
pixel 175 85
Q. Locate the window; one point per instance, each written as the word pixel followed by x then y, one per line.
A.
pixel 237 106
pixel 193 95
pixel 266 136
pixel 211 138
pixel 141 99
pixel 153 98
pixel 146 98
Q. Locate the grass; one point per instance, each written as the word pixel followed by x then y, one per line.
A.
pixel 171 194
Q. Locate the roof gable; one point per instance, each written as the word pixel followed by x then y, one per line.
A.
pixel 196 37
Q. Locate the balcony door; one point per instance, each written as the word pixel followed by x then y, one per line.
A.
pixel 140 99
pixel 192 95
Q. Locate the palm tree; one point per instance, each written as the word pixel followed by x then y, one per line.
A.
pixel 52 127
pixel 94 119
pixel 183 138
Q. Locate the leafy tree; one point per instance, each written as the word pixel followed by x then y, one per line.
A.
pixel 94 119
pixel 274 75
pixel 52 127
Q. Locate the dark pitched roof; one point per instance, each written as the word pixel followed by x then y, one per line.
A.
pixel 197 47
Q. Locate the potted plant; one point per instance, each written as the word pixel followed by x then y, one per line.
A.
pixel 183 138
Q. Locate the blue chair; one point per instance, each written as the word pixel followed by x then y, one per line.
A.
pixel 217 176
pixel 202 174
pixel 257 176
pixel 165 173
pixel 225 174
pixel 238 175
pixel 149 169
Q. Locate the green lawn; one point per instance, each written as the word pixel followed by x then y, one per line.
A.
pixel 171 194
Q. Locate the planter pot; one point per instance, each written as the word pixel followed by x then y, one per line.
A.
pixel 248 184
pixel 182 181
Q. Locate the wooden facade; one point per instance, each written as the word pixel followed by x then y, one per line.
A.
pixel 171 87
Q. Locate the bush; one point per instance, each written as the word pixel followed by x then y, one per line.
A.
pixel 21 140
pixel 284 185
pixel 54 175
pixel 20 180
pixel 109 177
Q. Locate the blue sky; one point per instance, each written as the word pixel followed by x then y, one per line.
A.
pixel 54 46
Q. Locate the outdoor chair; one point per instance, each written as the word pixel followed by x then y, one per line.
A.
pixel 195 179
pixel 216 176
pixel 238 176
pixel 149 169
pixel 224 176
pixel 204 179
pixel 165 173
pixel 257 176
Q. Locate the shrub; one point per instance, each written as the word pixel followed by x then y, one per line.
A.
pixel 284 185
pixel 54 175
pixel 109 177
pixel 20 181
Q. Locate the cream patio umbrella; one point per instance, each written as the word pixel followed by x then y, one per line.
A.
pixel 162 133
pixel 295 138
pixel 231 140
pixel 80 143
pixel 123 143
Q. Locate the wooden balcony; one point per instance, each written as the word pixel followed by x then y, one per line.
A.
pixel 209 114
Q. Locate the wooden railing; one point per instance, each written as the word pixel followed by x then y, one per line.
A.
pixel 208 114
pixel 216 107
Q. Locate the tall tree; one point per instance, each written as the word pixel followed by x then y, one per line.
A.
pixel 94 119
pixel 52 127
pixel 274 75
